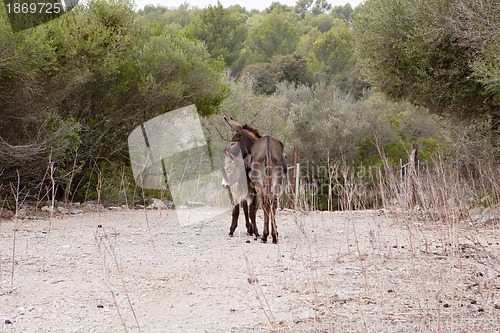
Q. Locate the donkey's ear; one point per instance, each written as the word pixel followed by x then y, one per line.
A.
pixel 228 154
pixel 234 124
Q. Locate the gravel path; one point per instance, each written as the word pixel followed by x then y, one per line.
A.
pixel 143 271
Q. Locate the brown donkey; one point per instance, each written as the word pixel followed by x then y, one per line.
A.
pixel 236 169
pixel 268 175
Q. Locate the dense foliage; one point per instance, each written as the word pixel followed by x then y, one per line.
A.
pixel 71 90
pixel 441 54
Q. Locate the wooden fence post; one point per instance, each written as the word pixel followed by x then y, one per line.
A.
pixel 294 176
pixel 412 176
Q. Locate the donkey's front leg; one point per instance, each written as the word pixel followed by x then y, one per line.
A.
pixel 249 226
pixel 234 222
pixel 253 210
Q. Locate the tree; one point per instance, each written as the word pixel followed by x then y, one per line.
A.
pixel 302 7
pixel 321 6
pixel 276 34
pixel 428 52
pixel 476 24
pixel 345 13
pixel 290 68
pixel 278 7
pixel 223 31
pixel 323 22
pixel 335 48
pixel 181 15
pixel 316 7
pixel 261 78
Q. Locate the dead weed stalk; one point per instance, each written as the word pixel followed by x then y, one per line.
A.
pixel 259 293
pixel 106 248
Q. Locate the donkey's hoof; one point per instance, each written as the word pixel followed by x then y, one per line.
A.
pixel 263 240
pixel 230 234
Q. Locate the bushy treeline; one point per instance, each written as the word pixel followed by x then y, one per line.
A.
pixel 71 90
pixel 346 86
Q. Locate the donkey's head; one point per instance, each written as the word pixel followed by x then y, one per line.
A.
pixel 235 168
pixel 235 176
pixel 244 136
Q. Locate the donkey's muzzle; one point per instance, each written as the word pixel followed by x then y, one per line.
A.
pixel 225 185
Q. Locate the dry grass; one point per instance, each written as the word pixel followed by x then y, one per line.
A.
pixel 430 269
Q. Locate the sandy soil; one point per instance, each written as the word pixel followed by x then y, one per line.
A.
pixel 142 271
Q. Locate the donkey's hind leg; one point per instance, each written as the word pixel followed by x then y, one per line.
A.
pixel 274 226
pixel 249 226
pixel 266 207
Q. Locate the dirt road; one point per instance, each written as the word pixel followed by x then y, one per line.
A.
pixel 142 271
